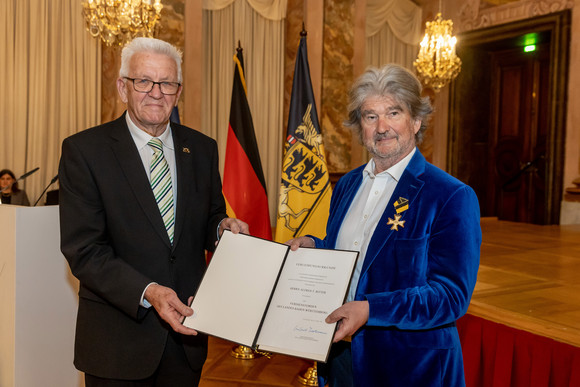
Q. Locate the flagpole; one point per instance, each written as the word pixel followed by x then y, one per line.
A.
pixel 310 376
pixel 303 34
pixel 244 185
pixel 241 351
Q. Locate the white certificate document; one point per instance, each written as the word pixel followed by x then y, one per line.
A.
pixel 236 288
pixel 263 295
pixel 313 283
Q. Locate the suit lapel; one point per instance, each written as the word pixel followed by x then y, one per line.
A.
pixel 185 177
pixel 130 163
pixel 408 187
pixel 343 205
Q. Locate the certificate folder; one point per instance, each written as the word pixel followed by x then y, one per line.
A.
pixel 262 295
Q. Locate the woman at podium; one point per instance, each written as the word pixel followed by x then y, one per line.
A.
pixel 10 193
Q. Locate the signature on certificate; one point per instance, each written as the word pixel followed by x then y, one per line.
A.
pixel 308 329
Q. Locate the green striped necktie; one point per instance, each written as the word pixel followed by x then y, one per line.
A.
pixel 161 185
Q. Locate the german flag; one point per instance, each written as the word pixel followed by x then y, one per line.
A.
pixel 244 186
pixel 305 191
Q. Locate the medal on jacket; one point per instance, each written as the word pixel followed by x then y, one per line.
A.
pixel 395 223
pixel 401 205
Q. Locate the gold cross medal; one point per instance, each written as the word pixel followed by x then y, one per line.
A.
pixel 395 223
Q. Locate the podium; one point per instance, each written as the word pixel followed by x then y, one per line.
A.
pixel 38 298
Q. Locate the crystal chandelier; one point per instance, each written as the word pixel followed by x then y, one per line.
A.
pixel 118 21
pixel 437 63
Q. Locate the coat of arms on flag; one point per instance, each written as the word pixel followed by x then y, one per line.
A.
pixel 303 171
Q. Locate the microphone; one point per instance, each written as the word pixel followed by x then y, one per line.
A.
pixel 54 179
pixel 28 174
pixel 21 178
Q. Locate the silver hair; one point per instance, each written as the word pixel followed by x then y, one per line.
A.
pixel 396 82
pixel 138 45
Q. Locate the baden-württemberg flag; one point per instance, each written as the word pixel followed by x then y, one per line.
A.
pixel 244 185
pixel 305 190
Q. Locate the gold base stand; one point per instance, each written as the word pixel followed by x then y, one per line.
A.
pixel 243 352
pixel 310 377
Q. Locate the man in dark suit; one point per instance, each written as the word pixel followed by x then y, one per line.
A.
pixel 138 251
pixel 418 232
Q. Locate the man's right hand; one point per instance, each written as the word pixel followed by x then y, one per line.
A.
pixel 169 307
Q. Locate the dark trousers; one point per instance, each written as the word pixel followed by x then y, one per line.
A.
pixel 337 372
pixel 173 371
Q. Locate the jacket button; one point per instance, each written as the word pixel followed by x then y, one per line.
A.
pixel 172 259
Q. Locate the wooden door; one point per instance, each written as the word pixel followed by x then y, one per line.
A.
pixel 507 113
pixel 520 104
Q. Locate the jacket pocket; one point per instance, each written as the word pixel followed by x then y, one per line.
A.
pixel 411 260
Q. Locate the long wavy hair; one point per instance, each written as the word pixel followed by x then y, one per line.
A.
pixel 396 82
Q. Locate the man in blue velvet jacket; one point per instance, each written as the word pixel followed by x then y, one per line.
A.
pixel 418 232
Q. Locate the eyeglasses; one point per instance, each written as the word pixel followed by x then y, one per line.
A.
pixel 146 85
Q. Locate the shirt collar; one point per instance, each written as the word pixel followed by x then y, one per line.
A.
pixel 141 137
pixel 396 171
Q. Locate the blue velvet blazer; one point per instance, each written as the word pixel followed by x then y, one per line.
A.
pixel 417 279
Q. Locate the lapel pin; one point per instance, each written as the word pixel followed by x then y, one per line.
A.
pixel 395 223
pixel 186 150
pixel 401 205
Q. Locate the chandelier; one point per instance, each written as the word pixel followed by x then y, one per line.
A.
pixel 437 63
pixel 118 22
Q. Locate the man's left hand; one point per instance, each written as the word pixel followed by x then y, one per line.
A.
pixel 234 225
pixel 351 316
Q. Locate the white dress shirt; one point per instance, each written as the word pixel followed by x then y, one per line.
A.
pixel 366 210
pixel 141 138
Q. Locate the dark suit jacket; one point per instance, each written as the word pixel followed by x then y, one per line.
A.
pixel 417 279
pixel 114 239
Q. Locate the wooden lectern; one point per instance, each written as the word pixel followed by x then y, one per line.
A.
pixel 38 299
